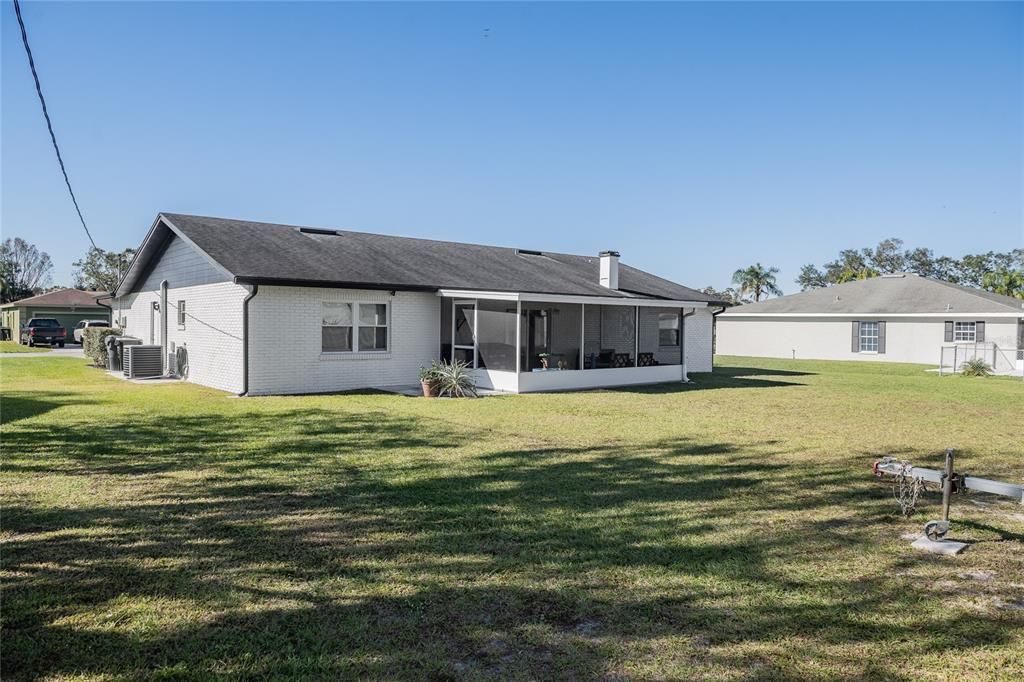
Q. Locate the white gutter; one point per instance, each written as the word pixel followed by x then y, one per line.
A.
pixel 567 298
pixel 736 313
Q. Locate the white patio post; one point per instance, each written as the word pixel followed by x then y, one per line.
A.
pixel 583 330
pixel 636 336
pixel 519 334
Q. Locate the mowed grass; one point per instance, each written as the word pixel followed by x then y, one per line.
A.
pixel 15 347
pixel 727 530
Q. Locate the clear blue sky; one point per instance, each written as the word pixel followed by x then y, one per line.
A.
pixel 693 138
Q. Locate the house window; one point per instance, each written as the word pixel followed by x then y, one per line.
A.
pixel 336 327
pixel 181 313
pixel 349 327
pixel 668 329
pixel 964 331
pixel 868 337
pixel 373 326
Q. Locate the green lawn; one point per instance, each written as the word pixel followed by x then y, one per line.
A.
pixel 728 530
pixel 15 347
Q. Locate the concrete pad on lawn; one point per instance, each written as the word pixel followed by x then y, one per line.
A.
pixel 945 547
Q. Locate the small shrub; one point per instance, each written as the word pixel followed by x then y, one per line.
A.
pixel 455 380
pixel 975 368
pixel 429 375
pixel 430 378
pixel 93 345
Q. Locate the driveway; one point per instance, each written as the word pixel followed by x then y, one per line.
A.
pixel 66 352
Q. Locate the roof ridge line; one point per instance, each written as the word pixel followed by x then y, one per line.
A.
pixel 376 234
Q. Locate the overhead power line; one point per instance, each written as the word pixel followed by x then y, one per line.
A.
pixel 49 126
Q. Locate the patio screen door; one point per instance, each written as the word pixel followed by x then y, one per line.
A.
pixel 464 332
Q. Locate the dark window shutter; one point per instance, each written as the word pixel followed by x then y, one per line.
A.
pixel 949 331
pixel 979 331
pixel 855 338
pixel 881 337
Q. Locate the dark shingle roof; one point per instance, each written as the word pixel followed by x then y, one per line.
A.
pixel 265 252
pixel 904 293
pixel 61 298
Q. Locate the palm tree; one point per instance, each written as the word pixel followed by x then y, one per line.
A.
pixel 758 280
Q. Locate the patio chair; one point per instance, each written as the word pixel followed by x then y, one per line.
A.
pixel 605 359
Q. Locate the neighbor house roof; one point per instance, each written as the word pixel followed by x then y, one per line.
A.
pixel 61 298
pixel 899 294
pixel 251 252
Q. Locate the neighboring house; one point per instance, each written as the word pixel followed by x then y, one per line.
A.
pixel 69 306
pixel 266 309
pixel 894 318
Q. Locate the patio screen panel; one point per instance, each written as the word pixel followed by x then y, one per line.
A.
pixel 496 335
pixel 611 337
pixel 551 336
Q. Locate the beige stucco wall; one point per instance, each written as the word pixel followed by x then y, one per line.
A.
pixel 916 340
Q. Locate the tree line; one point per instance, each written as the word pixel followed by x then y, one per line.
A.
pixel 26 271
pixel 998 272
pixel 981 270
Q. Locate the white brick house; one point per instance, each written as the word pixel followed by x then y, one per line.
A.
pixel 266 309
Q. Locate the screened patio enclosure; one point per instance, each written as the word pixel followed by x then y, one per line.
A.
pixel 532 342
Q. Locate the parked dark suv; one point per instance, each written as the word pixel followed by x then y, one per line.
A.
pixel 43 330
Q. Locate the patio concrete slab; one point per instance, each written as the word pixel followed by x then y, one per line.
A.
pixel 415 390
pixel 156 380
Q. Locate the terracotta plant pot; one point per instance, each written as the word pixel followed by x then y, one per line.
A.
pixel 429 389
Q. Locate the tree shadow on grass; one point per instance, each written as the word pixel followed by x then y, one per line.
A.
pixel 499 568
pixel 297 553
pixel 294 438
pixel 721 377
pixel 17 406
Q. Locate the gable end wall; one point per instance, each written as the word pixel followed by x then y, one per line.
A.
pixel 212 333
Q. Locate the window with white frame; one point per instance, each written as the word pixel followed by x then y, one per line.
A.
pixel 352 327
pixel 373 326
pixel 336 327
pixel 668 329
pixel 868 337
pixel 964 331
pixel 181 313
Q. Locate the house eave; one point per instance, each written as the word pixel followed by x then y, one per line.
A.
pixel 569 298
pixel 329 284
pixel 731 314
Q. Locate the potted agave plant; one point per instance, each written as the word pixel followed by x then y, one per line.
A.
pixel 430 380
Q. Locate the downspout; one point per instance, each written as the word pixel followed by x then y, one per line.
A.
pixel 714 330
pixel 682 339
pixel 163 325
pixel 245 338
pixel 110 313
